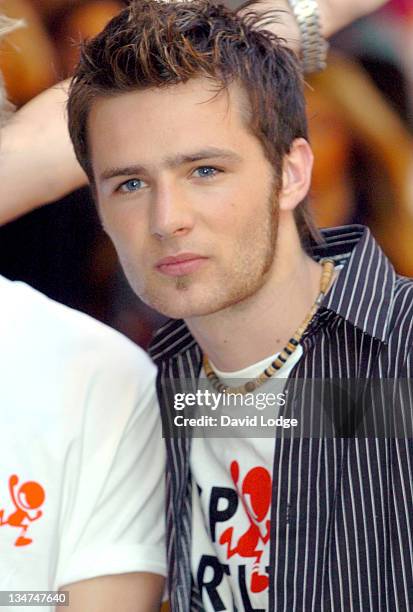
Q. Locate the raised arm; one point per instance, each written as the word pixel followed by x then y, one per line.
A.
pixel 37 163
pixel 334 15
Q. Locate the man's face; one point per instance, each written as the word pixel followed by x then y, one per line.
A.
pixel 186 194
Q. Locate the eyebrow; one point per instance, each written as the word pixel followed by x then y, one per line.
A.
pixel 173 162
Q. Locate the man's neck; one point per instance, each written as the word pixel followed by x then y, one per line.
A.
pixel 261 325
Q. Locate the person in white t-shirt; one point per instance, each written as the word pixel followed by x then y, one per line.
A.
pixel 82 459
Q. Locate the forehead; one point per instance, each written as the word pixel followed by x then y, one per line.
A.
pixel 169 119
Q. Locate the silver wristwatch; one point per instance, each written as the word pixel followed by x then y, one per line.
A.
pixel 314 47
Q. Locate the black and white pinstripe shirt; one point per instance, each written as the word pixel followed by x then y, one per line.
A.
pixel 342 508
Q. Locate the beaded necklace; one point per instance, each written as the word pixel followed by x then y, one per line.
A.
pixel 290 347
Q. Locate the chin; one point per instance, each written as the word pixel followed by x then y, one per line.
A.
pixel 178 304
pixel 187 306
pixel 187 299
pixel 178 310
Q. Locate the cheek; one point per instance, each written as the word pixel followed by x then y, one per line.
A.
pixel 243 215
pixel 124 226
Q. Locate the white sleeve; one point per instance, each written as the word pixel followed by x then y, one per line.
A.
pixel 112 518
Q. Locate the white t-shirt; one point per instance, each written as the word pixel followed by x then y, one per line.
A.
pixel 81 452
pixel 231 500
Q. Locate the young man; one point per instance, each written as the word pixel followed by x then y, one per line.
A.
pixel 81 459
pixel 190 124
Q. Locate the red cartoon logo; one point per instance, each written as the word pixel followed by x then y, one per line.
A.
pixel 255 496
pixel 29 496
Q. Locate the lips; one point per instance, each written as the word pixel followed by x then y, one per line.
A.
pixel 180 265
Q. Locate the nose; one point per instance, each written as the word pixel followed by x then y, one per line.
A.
pixel 171 213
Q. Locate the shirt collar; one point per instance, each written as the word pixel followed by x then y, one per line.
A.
pixel 362 293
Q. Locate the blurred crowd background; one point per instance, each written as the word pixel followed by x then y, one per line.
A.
pixel 361 125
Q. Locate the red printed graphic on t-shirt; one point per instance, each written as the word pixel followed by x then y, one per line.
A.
pixel 28 497
pixel 255 496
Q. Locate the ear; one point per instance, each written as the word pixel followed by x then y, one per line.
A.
pixel 296 174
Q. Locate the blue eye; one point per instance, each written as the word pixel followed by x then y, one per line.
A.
pixel 131 186
pixel 207 171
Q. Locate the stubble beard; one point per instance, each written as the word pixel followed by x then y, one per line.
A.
pixel 248 284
